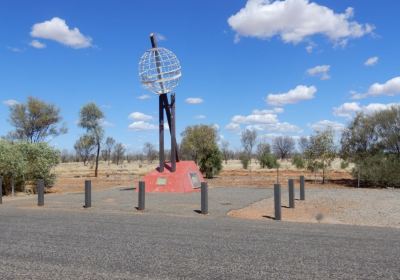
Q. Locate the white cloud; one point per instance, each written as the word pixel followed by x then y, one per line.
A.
pixel 37 44
pixel 216 126
pixel 138 116
pixel 321 71
pixel 57 30
pixel 14 49
pixel 324 124
pixel 232 126
pixel 161 37
pixel 257 117
pixel 200 117
pixel 262 120
pixel 194 100
pixel 10 102
pixel 142 126
pixel 348 110
pixel 389 88
pixel 144 97
pixel 106 123
pixel 310 47
pixel 295 21
pixel 295 95
pixel 371 61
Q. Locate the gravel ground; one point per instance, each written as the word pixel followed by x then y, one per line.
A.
pixel 52 243
pixel 369 207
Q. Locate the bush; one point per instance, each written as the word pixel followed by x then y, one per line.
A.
pixel 40 158
pixel 211 163
pixel 199 143
pixel 379 171
pixel 298 161
pixel 27 162
pixel 269 161
pixel 12 164
pixel 245 159
pixel 344 164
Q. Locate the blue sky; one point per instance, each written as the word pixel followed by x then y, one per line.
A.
pixel 281 67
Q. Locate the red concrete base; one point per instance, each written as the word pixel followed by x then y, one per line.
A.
pixel 186 178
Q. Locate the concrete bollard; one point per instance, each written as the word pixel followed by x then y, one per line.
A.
pixel 302 188
pixel 141 198
pixel 88 194
pixel 1 190
pixel 40 192
pixel 277 200
pixel 291 193
pixel 204 198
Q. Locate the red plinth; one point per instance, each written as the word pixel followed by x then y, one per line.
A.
pixel 186 178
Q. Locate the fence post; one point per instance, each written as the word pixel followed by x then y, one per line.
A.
pixel 88 194
pixel 1 190
pixel 204 198
pixel 291 193
pixel 302 188
pixel 40 191
pixel 277 200
pixel 141 198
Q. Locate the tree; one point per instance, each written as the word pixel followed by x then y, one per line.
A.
pixel 35 121
pixel 263 149
pixel 199 143
pixel 110 142
pixel 150 152
pixel 90 119
pixel 320 151
pixel 372 143
pixel 84 147
pixel 225 150
pixel 283 146
pixel 248 139
pixel 118 154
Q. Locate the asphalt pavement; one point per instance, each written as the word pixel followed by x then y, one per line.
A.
pixel 171 241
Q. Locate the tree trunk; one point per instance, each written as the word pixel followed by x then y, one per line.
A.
pixel 97 160
pixel 358 177
pixel 323 175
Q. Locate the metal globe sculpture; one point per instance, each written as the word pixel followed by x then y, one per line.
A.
pixel 159 70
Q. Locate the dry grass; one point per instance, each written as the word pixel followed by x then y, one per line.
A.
pixel 71 176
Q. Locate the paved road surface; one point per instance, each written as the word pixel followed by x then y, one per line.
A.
pixel 60 243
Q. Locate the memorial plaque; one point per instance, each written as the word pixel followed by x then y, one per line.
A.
pixel 194 178
pixel 161 181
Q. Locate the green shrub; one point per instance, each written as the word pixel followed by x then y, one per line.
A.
pixel 41 159
pixel 379 171
pixel 211 162
pixel 27 162
pixel 245 160
pixel 344 164
pixel 298 161
pixel 12 165
pixel 269 161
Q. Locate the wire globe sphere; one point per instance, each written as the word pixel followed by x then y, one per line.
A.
pixel 159 70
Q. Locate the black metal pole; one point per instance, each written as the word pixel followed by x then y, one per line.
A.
pixel 302 188
pixel 291 193
pixel 40 191
pixel 88 194
pixel 161 133
pixel 204 198
pixel 141 198
pixel 173 134
pixel 1 190
pixel 277 201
